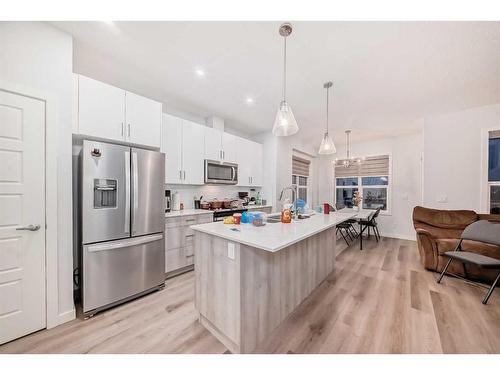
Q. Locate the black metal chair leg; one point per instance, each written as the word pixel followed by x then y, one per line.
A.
pixel 345 239
pixel 378 233
pixel 487 297
pixel 444 271
pixel 348 234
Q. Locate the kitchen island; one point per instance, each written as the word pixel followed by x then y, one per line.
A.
pixel 249 279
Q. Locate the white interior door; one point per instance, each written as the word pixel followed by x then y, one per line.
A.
pixel 22 203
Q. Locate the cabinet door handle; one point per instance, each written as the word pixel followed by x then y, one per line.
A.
pixel 184 175
pixel 180 175
pixel 129 131
pixel 223 154
pixel 123 130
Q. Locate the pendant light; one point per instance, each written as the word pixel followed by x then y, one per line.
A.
pixel 348 161
pixel 327 146
pixel 285 124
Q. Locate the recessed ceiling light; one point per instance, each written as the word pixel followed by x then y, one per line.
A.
pixel 249 100
pixel 200 72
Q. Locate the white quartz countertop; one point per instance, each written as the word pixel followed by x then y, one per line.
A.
pixel 193 211
pixel 274 236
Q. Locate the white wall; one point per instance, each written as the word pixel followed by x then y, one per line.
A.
pixel 452 157
pixel 406 193
pixel 36 56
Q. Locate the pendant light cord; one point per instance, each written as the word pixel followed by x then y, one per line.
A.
pixel 284 71
pixel 348 153
pixel 327 91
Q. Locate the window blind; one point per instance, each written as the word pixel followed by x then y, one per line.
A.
pixel 300 166
pixel 371 166
pixel 494 134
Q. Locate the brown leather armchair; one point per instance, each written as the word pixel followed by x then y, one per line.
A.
pixel 438 231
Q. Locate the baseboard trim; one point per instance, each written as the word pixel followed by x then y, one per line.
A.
pixel 399 236
pixel 64 318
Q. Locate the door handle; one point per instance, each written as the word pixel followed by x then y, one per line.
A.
pixel 184 175
pixel 127 193
pixel 123 130
pixel 31 228
pixel 129 131
pixel 135 188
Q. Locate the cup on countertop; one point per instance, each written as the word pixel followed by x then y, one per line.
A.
pixel 197 204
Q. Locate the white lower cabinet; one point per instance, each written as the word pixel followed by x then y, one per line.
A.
pixel 179 242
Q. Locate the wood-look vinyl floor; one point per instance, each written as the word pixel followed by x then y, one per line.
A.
pixel 379 300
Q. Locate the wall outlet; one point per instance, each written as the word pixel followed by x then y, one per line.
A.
pixel 442 199
pixel 230 250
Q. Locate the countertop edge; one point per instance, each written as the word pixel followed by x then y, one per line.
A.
pixel 199 228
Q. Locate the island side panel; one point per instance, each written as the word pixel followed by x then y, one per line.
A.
pixel 217 288
pixel 274 284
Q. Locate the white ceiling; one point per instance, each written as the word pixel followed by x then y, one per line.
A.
pixel 386 75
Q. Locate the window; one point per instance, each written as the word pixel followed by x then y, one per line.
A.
pixel 300 177
pixel 494 171
pixel 371 178
pixel 300 183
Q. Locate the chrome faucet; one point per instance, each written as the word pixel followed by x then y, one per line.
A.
pixel 294 199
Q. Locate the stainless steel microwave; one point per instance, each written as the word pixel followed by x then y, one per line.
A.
pixel 217 172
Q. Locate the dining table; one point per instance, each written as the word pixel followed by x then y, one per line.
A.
pixel 362 216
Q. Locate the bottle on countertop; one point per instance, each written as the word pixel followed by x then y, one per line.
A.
pixel 258 199
pixel 286 213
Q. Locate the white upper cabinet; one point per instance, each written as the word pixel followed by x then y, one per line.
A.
pixel 220 146
pixel 250 164
pixel 108 112
pixel 213 144
pixel 143 117
pixel 229 147
pixel 182 143
pixel 193 165
pixel 171 145
pixel 257 164
pixel 101 109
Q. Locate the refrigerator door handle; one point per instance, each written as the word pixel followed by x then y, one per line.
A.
pixel 135 182
pixel 122 244
pixel 127 192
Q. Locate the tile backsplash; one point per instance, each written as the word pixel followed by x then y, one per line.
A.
pixel 209 192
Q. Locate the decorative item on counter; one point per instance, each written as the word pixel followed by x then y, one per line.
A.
pixel 356 200
pixel 300 205
pixel 244 218
pixel 205 205
pixel 229 220
pixel 181 206
pixel 326 208
pixel 286 213
pixel 319 209
pixel 258 219
pixel 237 218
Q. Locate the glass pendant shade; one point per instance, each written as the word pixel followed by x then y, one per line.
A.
pixel 327 146
pixel 285 124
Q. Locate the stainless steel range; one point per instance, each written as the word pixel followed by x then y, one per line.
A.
pixel 122 218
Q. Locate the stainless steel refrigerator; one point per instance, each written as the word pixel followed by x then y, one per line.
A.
pixel 122 223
